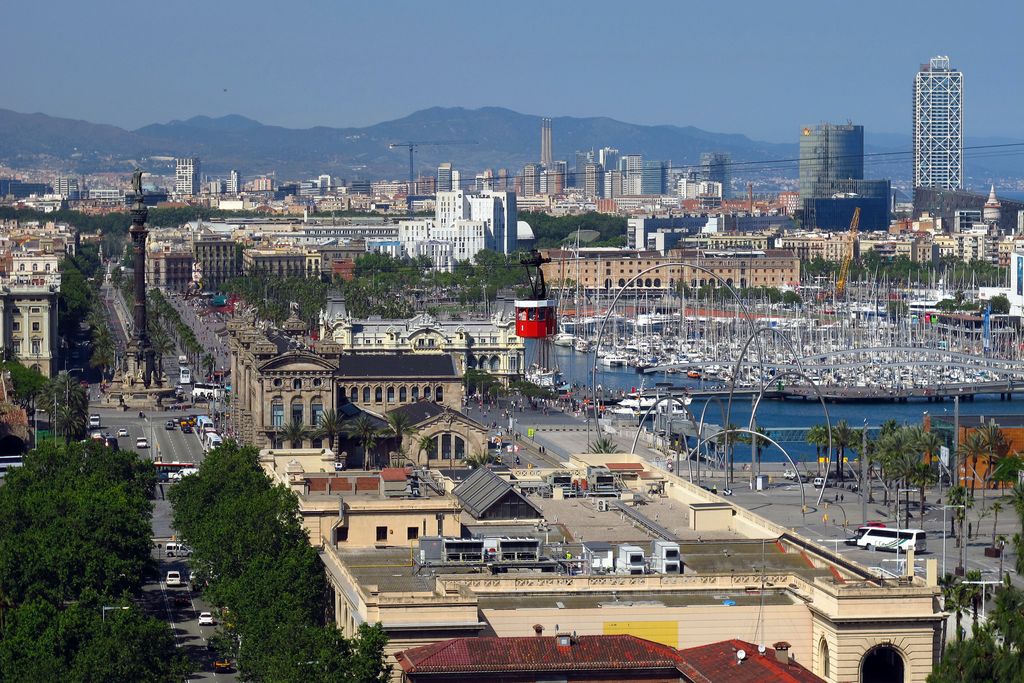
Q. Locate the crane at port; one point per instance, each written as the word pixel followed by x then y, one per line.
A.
pixel 844 269
pixel 412 147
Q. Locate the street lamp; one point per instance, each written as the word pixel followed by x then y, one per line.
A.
pixel 944 534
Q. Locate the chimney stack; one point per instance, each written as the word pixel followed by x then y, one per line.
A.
pixel 782 652
pixel 538 629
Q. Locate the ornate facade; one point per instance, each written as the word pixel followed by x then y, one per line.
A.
pixel 484 344
pixel 280 379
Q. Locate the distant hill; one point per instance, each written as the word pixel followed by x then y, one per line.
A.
pixel 503 139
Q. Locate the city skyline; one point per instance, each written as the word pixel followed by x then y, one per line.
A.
pixel 800 62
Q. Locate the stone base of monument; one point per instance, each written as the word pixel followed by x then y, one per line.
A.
pixel 128 393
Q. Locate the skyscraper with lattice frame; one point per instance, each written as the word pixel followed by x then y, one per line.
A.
pixel 938 126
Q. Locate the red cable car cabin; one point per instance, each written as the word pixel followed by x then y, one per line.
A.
pixel 536 319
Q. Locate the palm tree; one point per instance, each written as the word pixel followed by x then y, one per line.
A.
pixel 603 445
pixel 974 446
pixel 401 427
pixel 295 433
pixel 68 405
pixel 922 475
pixel 208 363
pixel 958 497
pixel 329 427
pixel 103 351
pixel 817 436
pixel 162 346
pixel 425 444
pixel 996 508
pixel 479 459
pixel 843 437
pixel 365 432
pixel 956 599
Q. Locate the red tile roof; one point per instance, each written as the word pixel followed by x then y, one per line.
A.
pixel 538 653
pixel 625 467
pixel 394 474
pixel 717 662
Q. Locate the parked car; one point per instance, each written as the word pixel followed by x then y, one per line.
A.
pixel 123 431
pixel 173 579
pixel 206 619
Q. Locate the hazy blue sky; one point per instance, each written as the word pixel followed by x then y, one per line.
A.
pixel 761 68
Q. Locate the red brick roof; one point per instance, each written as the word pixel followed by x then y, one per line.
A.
pixel 717 662
pixel 538 653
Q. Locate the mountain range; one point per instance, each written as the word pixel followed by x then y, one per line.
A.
pixel 490 137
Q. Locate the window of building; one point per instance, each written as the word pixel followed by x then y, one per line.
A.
pixel 297 410
pixel 382 533
pixel 415 393
pixel 366 394
pixel 426 392
pixel 353 394
pixel 35 327
pixel 277 382
pixel 317 382
pixel 16 326
pixel 438 394
pixel 316 412
pixel 36 347
pixel 34 309
pixel 403 395
pixel 296 384
pixel 277 413
pixel 378 394
pixel 391 394
pixel 412 533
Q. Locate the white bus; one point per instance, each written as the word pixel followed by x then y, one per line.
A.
pixel 884 538
pixel 184 375
pixel 207 392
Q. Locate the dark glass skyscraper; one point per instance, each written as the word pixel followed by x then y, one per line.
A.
pixel 830 152
pixel 714 166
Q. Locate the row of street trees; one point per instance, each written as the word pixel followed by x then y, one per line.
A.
pixel 74 553
pixel 255 559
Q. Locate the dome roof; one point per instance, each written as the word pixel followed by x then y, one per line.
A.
pixel 524 231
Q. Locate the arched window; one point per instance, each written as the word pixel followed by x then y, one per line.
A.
pixel 378 394
pixel 622 282
pixel 460 448
pixel 277 413
pixel 439 394
pixel 316 412
pixel 823 667
pixel 366 394
pixel 415 393
pixel 608 283
pixel 297 411
pixel 353 394
pixel 470 361
pixel 403 395
pixel 657 282
pixel 495 364
pixel 296 384
pixel 647 282
pixel 426 391
pixel 391 394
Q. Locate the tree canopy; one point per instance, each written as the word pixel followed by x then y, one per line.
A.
pixel 251 550
pixel 74 550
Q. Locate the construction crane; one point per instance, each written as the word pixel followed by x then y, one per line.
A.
pixel 844 270
pixel 411 146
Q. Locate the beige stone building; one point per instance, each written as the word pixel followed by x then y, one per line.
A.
pixel 28 319
pixel 574 568
pixel 279 377
pixel 488 344
pixel 608 270
pixel 281 262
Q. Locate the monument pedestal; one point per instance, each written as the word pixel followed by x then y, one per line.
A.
pixel 128 390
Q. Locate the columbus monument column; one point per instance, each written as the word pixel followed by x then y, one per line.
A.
pixel 139 346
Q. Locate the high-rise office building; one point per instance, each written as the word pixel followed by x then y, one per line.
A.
pixel 938 126
pixel 186 176
pixel 324 183
pixel 593 180
pixel 714 166
pixel 830 152
pixel 608 157
pixel 545 143
pixel 234 182
pixel 66 187
pixel 652 178
pixel 531 180
pixel 632 166
pixel 555 173
pixel 444 177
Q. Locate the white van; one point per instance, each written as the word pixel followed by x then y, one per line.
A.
pixel 884 538
pixel 177 550
pixel 819 482
pixel 94 421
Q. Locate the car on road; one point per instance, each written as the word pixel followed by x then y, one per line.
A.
pixel 142 442
pixel 223 664
pixel 206 619
pixel 182 601
pixel 122 432
pixel 185 429
pixel 173 579
pixel 94 421
pixel 789 474
pixel 818 482
pixel 169 425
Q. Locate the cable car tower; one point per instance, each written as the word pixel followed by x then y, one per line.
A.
pixel 536 317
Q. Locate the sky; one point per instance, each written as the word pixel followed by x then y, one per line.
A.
pixel 758 68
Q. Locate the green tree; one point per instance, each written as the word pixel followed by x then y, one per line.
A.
pixel 28 383
pixel 603 445
pixel 479 459
pixel 1000 304
pixel 365 431
pixel 973 447
pixel 68 405
pixel 426 445
pixel 843 438
pixel 401 426
pixel 329 427
pixel 295 433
